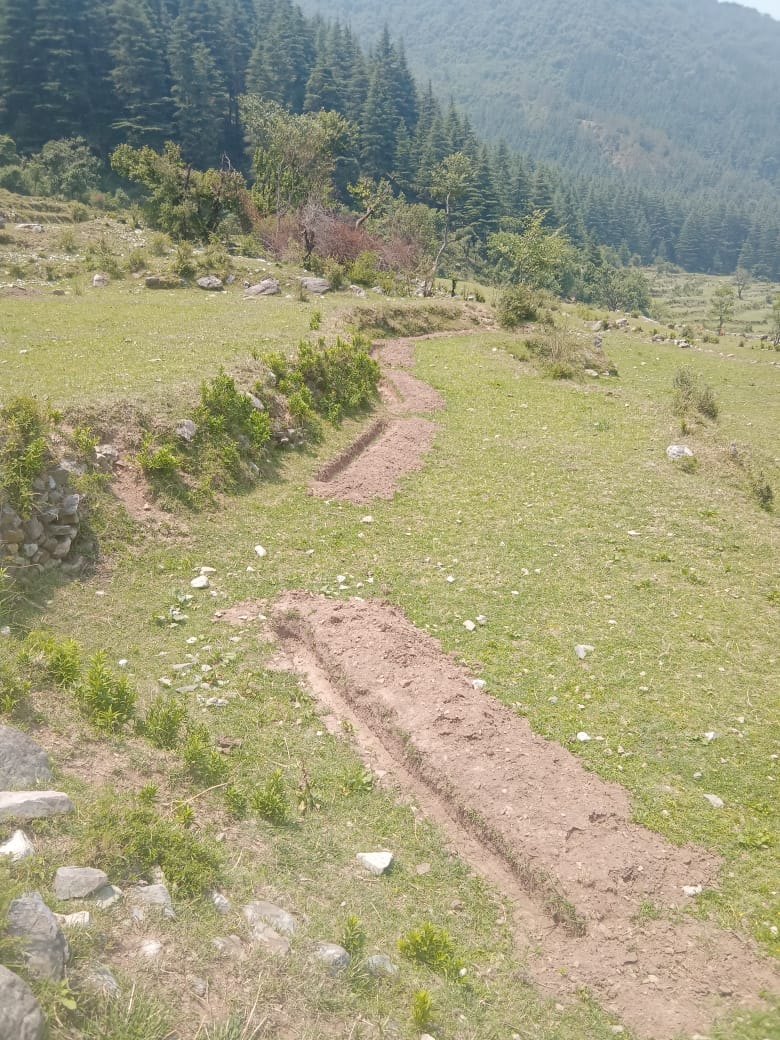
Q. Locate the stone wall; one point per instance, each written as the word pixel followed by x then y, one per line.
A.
pixel 46 539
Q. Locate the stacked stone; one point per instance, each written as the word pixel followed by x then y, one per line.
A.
pixel 45 539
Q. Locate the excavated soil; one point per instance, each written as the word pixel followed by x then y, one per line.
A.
pixel 557 839
pixel 395 445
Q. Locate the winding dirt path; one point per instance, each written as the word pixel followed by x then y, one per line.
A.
pixel 556 839
pixel 373 465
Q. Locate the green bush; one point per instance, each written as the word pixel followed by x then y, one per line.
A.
pixel 270 802
pixel 158 461
pixel 24 450
pixel 13 689
pixel 365 269
pixel 108 701
pixel 332 381
pixel 61 660
pixel 163 722
pixel 128 840
pixel 434 948
pixel 517 305
pixel 692 395
pixel 204 763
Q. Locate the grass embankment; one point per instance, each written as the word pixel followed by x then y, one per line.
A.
pixel 553 506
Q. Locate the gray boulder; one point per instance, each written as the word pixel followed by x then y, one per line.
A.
pixel 186 430
pixel 99 280
pixel 268 287
pixel 99 982
pixel 379 964
pixel 23 763
pixel 156 896
pixel 678 451
pixel 318 286
pixel 163 281
pixel 21 1017
pixel 78 882
pixel 44 946
pixel 32 805
pixel 211 283
pixel 333 956
pixel 263 912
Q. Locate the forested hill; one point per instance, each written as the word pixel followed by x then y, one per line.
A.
pixel 675 93
pixel 141 72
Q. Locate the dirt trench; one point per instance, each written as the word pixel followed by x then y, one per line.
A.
pixel 556 839
pixel 392 447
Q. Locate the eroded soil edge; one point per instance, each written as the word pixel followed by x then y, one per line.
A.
pixel 557 840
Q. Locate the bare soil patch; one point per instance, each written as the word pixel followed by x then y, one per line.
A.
pixel 564 835
pixel 374 472
pixel 404 394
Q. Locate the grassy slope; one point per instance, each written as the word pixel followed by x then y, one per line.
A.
pixel 526 475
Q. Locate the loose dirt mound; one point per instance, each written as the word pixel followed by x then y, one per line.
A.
pixel 373 471
pixel 404 394
pixel 563 833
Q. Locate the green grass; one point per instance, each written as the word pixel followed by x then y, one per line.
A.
pixel 529 498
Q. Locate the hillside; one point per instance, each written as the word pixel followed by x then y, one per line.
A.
pixel 672 93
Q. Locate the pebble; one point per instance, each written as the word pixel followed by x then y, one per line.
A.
pixel 201 582
pixel 376 863
pixel 479 684
pixel 18 847
pixel 107 896
pixel 583 649
pixel 709 737
pixel 208 570
pixel 333 956
pixel 583 737
pixel 469 626
pixel 221 903
pixel 78 882
pixel 692 890
pixel 366 519
pixel 715 801
pixel 261 550
pixel 151 949
pixel 380 964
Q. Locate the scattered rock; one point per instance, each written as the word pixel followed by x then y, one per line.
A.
pixel 583 649
pixel 263 912
pixel 21 1017
pixel 163 281
pixel 211 283
pixel 318 286
pixel 230 947
pixel 379 964
pixel 78 882
pixel 155 896
pixel 357 290
pixel 270 940
pixel 692 890
pixel 261 551
pixel 256 403
pixel 99 280
pixel 186 429
pixel 715 802
pixel 335 957
pixel 99 981
pixel 81 919
pixel 584 737
pixel 32 805
pixel 23 763
pixel 469 626
pixel 150 949
pixel 44 946
pixel 18 847
pixel 268 287
pixel 201 582
pixel 479 684
pixel 199 986
pixel 221 903
pixel 678 451
pixel 107 896
pixel 30 227
pixel 376 863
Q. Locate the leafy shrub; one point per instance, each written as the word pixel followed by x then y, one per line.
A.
pixel 434 948
pixel 204 763
pixel 101 257
pixel 163 722
pixel 62 660
pixel 353 937
pixel 108 701
pixel 13 689
pixel 692 395
pixel 517 305
pixel 184 261
pixel 315 320
pixel 129 840
pixel 761 490
pixel 270 802
pixel 136 261
pixel 159 244
pixel 158 461
pixel 422 1010
pixel 335 273
pixel 365 269
pixel 24 451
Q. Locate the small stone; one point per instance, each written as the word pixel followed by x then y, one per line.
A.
pixel 210 282
pixel 186 429
pixel 678 451
pixel 715 801
pixel 230 947
pixel 261 912
pixel 316 285
pixel 261 551
pixel 469 626
pixel 18 847
pixel 481 619
pixel 31 805
pixel 270 940
pixel 335 957
pixel 201 582
pixel 78 882
pixel 150 949
pixel 583 737
pixel 221 903
pixel 709 737
pixel 81 919
pixel 583 649
pixel 268 287
pixel 199 986
pixel 376 863
pixel 380 965
pixel 107 896
pixel 21 1017
pixel 208 570
pixel 479 684
pixel 23 762
pixel 366 519
pixel 692 890
pixel 44 947
pixel 156 896
pixel 100 280
pixel 100 982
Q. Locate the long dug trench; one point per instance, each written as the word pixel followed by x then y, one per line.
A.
pixel 559 841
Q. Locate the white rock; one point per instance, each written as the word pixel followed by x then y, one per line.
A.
pixel 478 684
pixel 122 662
pixel 261 550
pixel 29 805
pixel 376 863
pixel 81 919
pixel 18 847
pixel 366 519
pixel 5 630
pixel 208 570
pixel 107 896
pixel 201 582
pixel 715 801
pixel 692 890
pixel 222 903
pixel 678 451
pixel 450 578
pixel 151 949
pixel 481 619
pixel 583 737
pixel 583 649
pixel 469 626
pixel 709 737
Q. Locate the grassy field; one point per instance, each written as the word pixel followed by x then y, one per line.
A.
pixel 553 505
